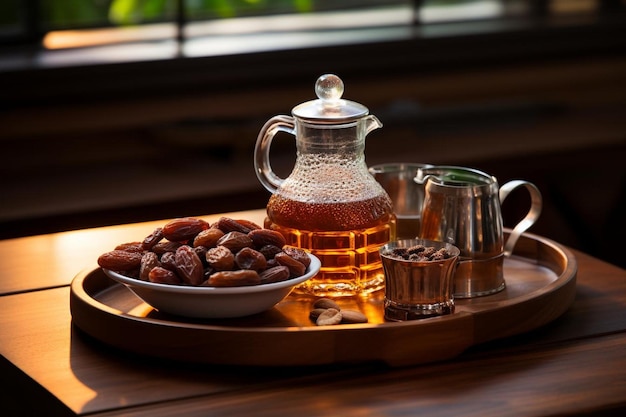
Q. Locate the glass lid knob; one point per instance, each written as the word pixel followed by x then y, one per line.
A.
pixel 329 106
pixel 329 88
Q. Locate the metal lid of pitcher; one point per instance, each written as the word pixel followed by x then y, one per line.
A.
pixel 329 106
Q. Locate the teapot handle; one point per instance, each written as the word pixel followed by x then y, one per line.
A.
pixel 530 218
pixel 262 165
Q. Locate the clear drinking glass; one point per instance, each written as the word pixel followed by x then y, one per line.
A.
pixel 407 195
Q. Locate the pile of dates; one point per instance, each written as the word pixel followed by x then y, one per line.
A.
pixel 190 251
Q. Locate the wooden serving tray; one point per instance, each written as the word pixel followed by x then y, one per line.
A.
pixel 541 285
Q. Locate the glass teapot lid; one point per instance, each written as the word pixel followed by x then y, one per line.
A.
pixel 329 107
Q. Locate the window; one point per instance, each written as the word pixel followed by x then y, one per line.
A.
pixel 62 24
pixel 51 34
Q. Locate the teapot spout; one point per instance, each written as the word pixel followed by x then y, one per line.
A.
pixel 372 123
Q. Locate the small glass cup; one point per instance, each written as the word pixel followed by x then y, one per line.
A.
pixel 417 288
pixel 407 196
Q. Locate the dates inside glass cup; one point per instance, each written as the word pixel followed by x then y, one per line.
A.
pixel 190 251
pixel 419 253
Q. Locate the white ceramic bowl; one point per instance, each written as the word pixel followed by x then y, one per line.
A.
pixel 214 302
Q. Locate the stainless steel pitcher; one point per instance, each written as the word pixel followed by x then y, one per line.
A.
pixel 462 207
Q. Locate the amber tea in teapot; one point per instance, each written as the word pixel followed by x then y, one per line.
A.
pixel 330 204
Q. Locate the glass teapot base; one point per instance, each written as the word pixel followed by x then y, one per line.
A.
pixel 351 264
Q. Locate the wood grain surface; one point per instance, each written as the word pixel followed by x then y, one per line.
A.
pixel 532 383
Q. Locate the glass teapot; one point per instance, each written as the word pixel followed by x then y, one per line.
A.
pixel 330 204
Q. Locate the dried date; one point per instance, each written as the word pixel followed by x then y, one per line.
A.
pixel 183 229
pixel 262 237
pixel 162 247
pixel 298 254
pixel 130 247
pixel 227 225
pixel 149 261
pixel 241 277
pixel 188 266
pixel 120 260
pixel 152 239
pixel 235 241
pixel 275 274
pixel 296 268
pixel 208 237
pixel 220 258
pixel 160 275
pixel 250 225
pixel 168 261
pixel 248 258
pixel 269 251
pixel 201 252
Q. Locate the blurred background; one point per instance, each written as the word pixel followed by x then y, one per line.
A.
pixel 116 111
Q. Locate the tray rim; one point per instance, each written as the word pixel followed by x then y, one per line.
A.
pixel 463 327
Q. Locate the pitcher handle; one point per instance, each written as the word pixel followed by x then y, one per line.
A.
pixel 530 218
pixel 262 165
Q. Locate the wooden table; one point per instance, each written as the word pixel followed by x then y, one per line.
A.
pixel 574 365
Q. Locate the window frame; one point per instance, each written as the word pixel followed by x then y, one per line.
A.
pixel 422 48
